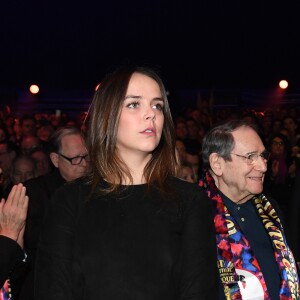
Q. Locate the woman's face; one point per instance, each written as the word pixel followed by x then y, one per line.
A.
pixel 289 124
pixel 277 146
pixel 142 119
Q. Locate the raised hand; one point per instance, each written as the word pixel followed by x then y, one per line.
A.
pixel 13 214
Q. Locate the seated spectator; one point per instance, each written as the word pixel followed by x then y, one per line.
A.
pixel 193 159
pixel 290 124
pixel 181 130
pixel 29 143
pixel 44 132
pixel 42 161
pixel 23 168
pixel 186 173
pixel 192 128
pixel 27 125
pixel 56 120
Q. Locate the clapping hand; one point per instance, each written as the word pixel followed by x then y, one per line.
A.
pixel 13 214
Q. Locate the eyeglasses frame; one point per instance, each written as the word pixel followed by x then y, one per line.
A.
pixel 71 158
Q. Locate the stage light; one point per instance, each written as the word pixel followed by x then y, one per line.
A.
pixel 283 84
pixel 34 89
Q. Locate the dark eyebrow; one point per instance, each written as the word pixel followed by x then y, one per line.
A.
pixel 255 152
pixel 140 97
pixel 134 97
pixel 159 99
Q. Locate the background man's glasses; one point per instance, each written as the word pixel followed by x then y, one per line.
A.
pixel 75 160
pixel 253 157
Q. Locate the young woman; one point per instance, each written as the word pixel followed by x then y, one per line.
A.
pixel 129 229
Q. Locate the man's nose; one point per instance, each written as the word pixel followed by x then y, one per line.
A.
pixel 261 164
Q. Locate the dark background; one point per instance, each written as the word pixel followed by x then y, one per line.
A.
pixel 70 45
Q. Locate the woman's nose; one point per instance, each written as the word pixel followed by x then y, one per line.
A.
pixel 150 114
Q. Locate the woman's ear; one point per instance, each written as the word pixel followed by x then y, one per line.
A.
pixel 216 163
pixel 54 159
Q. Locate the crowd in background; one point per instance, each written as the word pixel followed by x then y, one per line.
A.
pixel 28 136
pixel 24 146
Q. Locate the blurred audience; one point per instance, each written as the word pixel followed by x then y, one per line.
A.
pixel 281 171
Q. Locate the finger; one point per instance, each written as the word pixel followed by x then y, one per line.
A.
pixel 2 203
pixel 10 198
pixel 24 207
pixel 22 195
pixel 18 193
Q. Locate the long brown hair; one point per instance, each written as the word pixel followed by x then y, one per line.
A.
pixel 102 134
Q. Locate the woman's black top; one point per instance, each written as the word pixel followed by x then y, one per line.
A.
pixel 140 246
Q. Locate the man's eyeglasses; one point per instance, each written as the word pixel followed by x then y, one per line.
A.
pixel 253 157
pixel 75 160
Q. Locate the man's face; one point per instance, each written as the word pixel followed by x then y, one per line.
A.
pixel 28 127
pixel 277 146
pixel 29 143
pixel 72 146
pixel 239 180
pixel 42 162
pixel 23 170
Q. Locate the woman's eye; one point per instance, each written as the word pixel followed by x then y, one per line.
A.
pixel 158 106
pixel 133 105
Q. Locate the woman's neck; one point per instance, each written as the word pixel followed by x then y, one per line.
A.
pixel 136 166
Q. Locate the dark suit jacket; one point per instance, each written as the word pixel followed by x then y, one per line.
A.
pixel 39 190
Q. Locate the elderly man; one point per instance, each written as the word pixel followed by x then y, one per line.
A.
pixel 68 154
pixel 254 259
